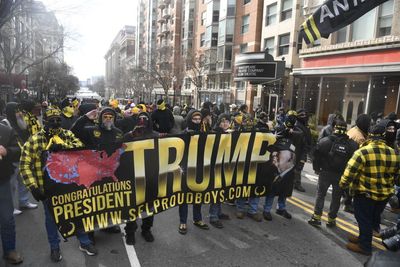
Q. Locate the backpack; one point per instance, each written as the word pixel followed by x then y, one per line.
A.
pixel 339 153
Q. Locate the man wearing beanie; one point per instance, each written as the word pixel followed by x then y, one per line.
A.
pixel 162 118
pixel 330 159
pixel 370 175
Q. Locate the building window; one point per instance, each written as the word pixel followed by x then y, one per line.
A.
pixel 214 39
pixel 245 24
pixel 202 39
pixel 215 15
pixel 286 12
pixel 243 48
pixel 364 27
pixel 270 44
pixel 284 44
pixel 271 14
pixel 385 19
pixel 245 2
pixel 341 35
pixel 203 18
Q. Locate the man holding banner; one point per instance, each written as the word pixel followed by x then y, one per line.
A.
pixel 51 138
pixel 143 129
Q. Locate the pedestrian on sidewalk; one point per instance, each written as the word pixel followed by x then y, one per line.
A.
pixel 370 175
pixel 9 154
pixel 330 159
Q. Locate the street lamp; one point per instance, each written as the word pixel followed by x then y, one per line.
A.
pixel 173 88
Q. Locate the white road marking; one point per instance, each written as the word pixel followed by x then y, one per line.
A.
pixel 130 250
pixel 238 243
pixel 216 242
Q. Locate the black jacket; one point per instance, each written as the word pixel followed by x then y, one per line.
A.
pixel 323 156
pixel 163 120
pixel 66 123
pixel 9 141
pixel 96 137
pixel 303 143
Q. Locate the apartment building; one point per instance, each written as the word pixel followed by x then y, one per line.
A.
pixel 222 29
pixel 31 36
pixel 280 26
pixel 120 57
pixel 356 70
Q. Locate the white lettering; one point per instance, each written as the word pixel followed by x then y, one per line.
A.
pixel 344 6
pixel 325 12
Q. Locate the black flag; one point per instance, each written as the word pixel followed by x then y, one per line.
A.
pixel 334 15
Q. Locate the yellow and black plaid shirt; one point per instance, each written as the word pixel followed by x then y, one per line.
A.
pixel 373 170
pixel 31 166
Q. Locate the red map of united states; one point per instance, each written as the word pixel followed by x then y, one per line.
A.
pixel 82 167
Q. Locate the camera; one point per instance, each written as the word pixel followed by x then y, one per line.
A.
pixel 391 237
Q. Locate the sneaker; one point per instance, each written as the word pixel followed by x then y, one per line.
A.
pixel 28 206
pixel 255 216
pixel 55 255
pixel 182 229
pixel 88 249
pixel 201 225
pixel 267 216
pixel 224 216
pixel 349 209
pixel 356 248
pixel 130 239
pixel 17 212
pixel 240 214
pixel 299 188
pixel 148 236
pixel 284 214
pixel 331 222
pixel 314 221
pixel 112 230
pixel 13 257
pixel 217 224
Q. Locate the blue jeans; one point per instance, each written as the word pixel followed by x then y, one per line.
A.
pixel 269 201
pixel 18 186
pixel 215 211
pixel 183 213
pixel 253 204
pixel 367 213
pixel 7 222
pixel 52 232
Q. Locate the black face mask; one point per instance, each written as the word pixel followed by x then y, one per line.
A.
pixel 195 127
pixel 303 119
pixel 54 123
pixel 390 137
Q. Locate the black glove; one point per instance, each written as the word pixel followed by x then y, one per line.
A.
pixel 38 194
pixel 55 147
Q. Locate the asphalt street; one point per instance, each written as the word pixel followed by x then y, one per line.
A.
pixel 279 242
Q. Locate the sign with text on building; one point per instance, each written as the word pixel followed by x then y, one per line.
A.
pixel 258 67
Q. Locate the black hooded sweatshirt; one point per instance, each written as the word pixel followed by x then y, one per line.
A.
pixel 97 137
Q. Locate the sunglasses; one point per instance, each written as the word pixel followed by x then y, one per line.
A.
pixel 54 120
pixel 108 117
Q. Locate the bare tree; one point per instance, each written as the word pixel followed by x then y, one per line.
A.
pixel 22 47
pixel 195 70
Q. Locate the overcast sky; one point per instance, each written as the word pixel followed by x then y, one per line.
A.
pixel 92 24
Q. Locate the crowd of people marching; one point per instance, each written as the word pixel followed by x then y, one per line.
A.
pixel 361 165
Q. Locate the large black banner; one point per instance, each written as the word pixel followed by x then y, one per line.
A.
pixel 334 15
pixel 90 189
